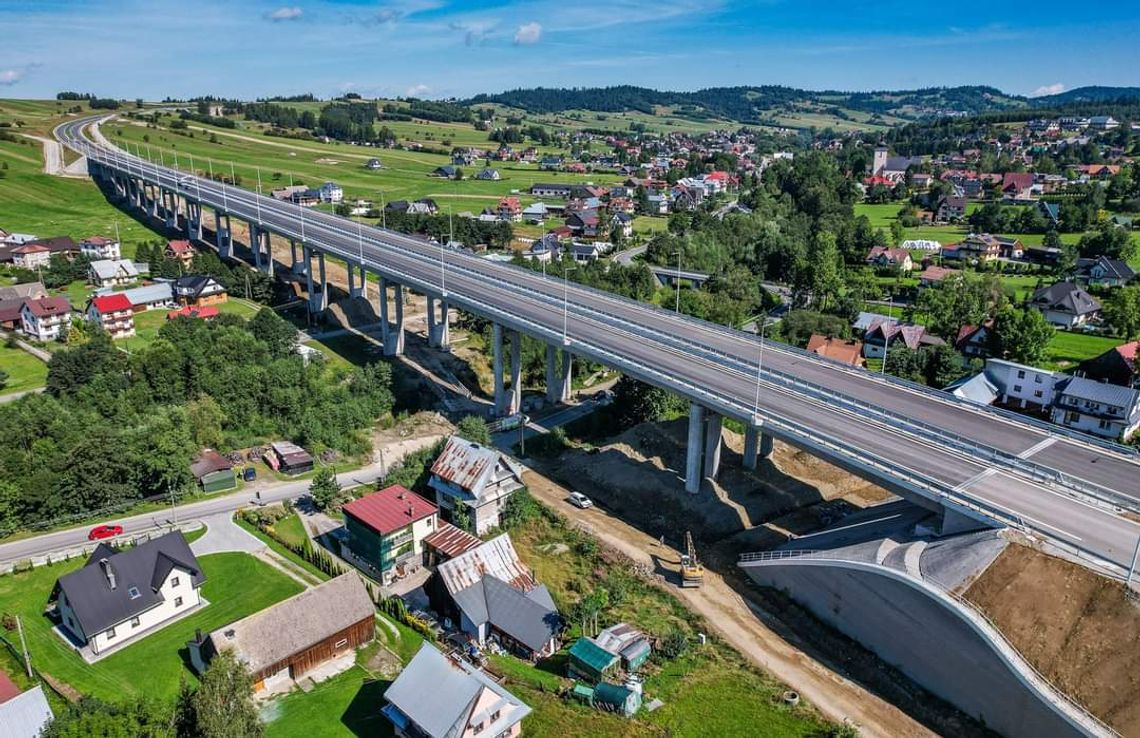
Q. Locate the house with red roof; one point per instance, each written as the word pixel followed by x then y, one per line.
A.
pixel 180 251
pixel 510 209
pixel 114 313
pixel 205 312
pixel 386 532
pixel 1117 366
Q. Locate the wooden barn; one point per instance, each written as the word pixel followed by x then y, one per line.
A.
pixel 282 643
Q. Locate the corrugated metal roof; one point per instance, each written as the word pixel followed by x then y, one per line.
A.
pixel 1109 394
pixel 464 463
pixel 26 715
pixel 592 655
pixel 390 509
pixel 451 541
pixel 617 637
pixel 496 557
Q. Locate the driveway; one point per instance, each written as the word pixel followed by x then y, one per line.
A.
pixel 223 534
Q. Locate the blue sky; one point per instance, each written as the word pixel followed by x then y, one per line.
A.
pixel 436 48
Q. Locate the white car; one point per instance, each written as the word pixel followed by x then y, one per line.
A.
pixel 577 499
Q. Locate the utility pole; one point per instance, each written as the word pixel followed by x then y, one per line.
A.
pixel 677 308
pixel 1132 569
pixel 24 647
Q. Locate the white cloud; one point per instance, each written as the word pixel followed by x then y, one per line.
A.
pixel 1054 89
pixel 9 77
pixel 285 14
pixel 417 90
pixel 528 33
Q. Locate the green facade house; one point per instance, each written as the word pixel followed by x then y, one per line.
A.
pixel 386 530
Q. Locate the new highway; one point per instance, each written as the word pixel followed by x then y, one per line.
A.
pixel 1057 485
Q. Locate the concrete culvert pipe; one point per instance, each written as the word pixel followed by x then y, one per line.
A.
pixel 791 698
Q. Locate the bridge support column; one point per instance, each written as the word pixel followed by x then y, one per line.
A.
pixel 552 389
pixel 516 373
pixel 751 445
pixel 431 337
pixel 324 299
pixel 268 260
pixel 296 266
pixel 693 451
pixel 444 327
pixel 765 445
pixel 255 244
pixel 194 220
pixel 222 234
pixel 566 381
pixel 170 203
pixel 713 427
pixel 497 368
pixel 356 287
pixel 308 255
pixel 382 311
pixel 398 339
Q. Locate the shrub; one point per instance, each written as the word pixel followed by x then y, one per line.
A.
pixel 674 644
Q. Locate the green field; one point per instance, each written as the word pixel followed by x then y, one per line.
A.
pixel 1070 348
pixel 348 706
pixel 312 162
pixel 44 205
pixel 25 371
pixel 237 585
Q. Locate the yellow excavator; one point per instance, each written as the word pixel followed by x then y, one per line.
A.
pixel 692 573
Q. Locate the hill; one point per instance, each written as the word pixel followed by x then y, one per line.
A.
pixel 1089 94
pixel 760 105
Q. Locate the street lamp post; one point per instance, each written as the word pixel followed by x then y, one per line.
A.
pixel 759 372
pixel 1132 569
pixel 886 336
pixel 677 307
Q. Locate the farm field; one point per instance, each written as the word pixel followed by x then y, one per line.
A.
pixel 405 176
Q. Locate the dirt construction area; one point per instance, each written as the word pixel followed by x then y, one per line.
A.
pixel 636 483
pixel 1080 630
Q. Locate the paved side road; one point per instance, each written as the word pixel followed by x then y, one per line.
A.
pixel 275 492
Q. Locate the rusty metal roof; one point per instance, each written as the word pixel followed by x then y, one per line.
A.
pixel 464 463
pixel 451 541
pixel 496 557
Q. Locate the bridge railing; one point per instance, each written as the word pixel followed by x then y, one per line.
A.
pixel 1035 471
pixel 968 609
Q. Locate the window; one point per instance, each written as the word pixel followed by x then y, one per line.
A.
pixel 495 715
pixel 110 634
pixel 174 582
pixel 133 593
pixel 1017 388
pixel 341 643
pixel 1021 374
pixel 178 602
pixel 1037 379
pixel 1037 393
pixel 477 729
pixel 135 621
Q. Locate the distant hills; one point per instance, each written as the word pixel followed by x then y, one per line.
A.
pixel 762 104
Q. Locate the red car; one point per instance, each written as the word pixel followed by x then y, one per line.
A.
pixel 100 532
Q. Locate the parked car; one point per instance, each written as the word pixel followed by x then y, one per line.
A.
pixel 249 474
pixel 577 499
pixel 99 532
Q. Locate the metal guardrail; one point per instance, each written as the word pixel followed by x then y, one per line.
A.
pixel 890 469
pixel 969 610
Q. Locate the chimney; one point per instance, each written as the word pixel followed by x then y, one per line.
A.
pixel 108 572
pixel 410 510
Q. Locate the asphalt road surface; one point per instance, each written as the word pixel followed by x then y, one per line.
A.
pixel 718 366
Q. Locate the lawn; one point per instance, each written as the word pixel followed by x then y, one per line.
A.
pixel 276 546
pixel 347 705
pixel 25 371
pixel 237 585
pixel 1069 348
pixel 34 202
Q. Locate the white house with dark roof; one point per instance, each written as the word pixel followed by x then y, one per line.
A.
pixel 1104 272
pixel 114 272
pixel 1064 304
pixel 119 596
pixel 443 696
pixel 476 477
pixel 1099 408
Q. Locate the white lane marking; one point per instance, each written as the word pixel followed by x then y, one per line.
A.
pixel 976 478
pixel 1037 447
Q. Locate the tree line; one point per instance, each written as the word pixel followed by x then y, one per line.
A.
pixel 116 427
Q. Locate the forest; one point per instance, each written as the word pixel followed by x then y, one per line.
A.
pixel 114 428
